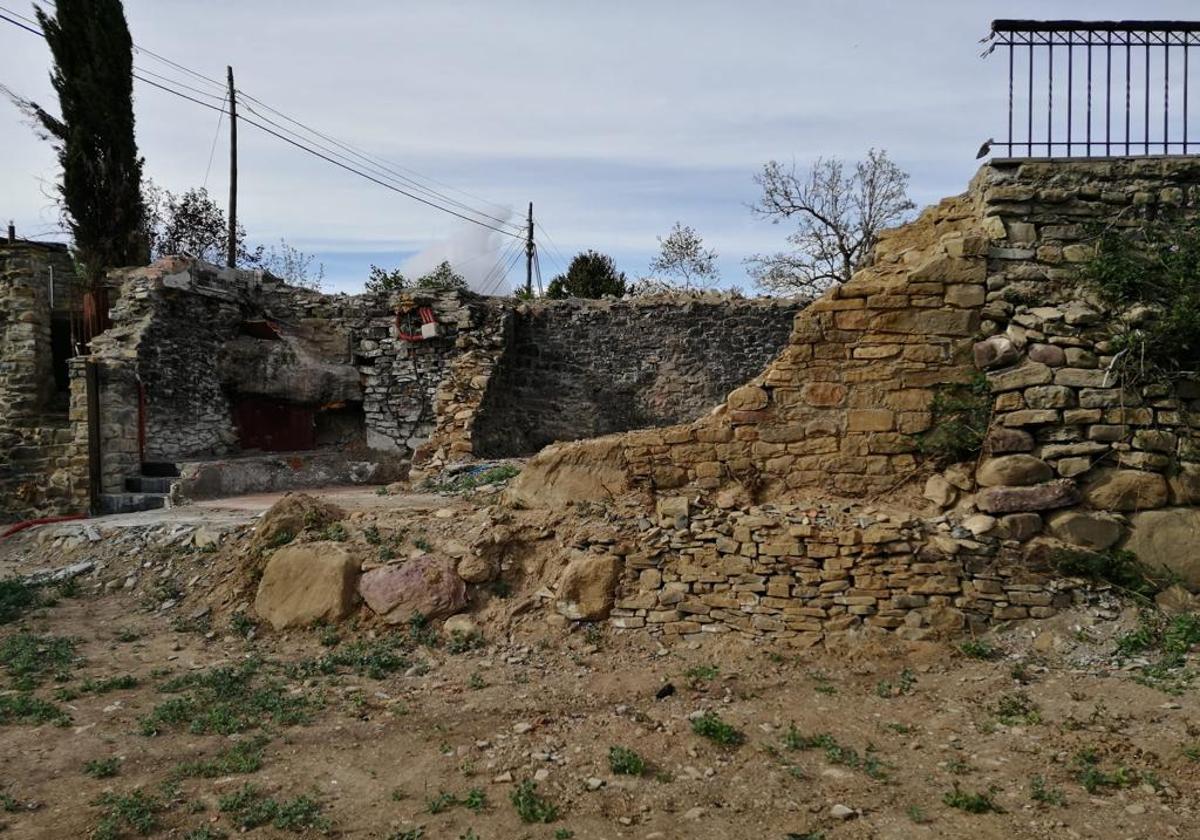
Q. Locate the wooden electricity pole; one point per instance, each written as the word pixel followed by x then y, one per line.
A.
pixel 529 254
pixel 231 257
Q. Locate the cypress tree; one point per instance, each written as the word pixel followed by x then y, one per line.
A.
pixel 101 171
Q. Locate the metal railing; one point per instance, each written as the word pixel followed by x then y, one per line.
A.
pixel 1140 61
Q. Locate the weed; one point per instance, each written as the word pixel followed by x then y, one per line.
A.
pixel 374 658
pixel 476 681
pixel 104 686
pixel 329 637
pixel 242 624
pixel 226 700
pixel 136 811
pixel 422 543
pixel 279 539
pixel 500 588
pixel 961 414
pixel 442 802
pixel 206 832
pixel 16 598
pixel 1016 709
pixel 249 808
pixel 958 767
pixel 334 532
pixel 1172 639
pixel 702 673
pixel 102 768
pixel 563 834
pixel 126 635
pixel 242 757
pixel 421 632
pixel 835 753
pixel 594 635
pixel 1038 792
pixel 978 649
pixel 917 814
pixel 972 803
pixel 1093 779
pixel 710 726
pixel 460 642
pixel 625 762
pixel 475 800
pixel 29 658
pixel 1192 753
pixel 903 685
pixel 531 807
pixel 25 708
pixel 1113 566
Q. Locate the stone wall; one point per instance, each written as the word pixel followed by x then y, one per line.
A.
pixel 806 574
pixel 580 369
pixel 986 284
pixel 35 280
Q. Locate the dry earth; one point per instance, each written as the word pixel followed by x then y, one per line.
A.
pixel 370 731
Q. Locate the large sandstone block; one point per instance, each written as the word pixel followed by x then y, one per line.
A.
pixel 587 587
pixel 1126 490
pixel 1168 538
pixel 427 586
pixel 1013 470
pixel 1087 529
pixel 307 583
pixel 1056 494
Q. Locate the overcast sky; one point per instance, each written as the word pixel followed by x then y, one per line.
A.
pixel 616 119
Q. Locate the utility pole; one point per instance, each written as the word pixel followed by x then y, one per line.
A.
pixel 529 254
pixel 231 258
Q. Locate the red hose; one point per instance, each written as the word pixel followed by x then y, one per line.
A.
pixel 45 520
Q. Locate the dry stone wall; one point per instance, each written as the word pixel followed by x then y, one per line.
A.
pixel 580 368
pixel 983 285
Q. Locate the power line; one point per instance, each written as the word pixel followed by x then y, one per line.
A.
pixel 213 150
pixel 330 157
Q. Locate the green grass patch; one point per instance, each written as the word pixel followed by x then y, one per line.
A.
pixel 25 708
pixel 532 807
pixel 239 759
pixel 226 700
pixel 1168 641
pixel 136 812
pixel 250 808
pixel 978 649
pixel 374 658
pixel 836 753
pixel 702 673
pixel 973 803
pixel 625 762
pixel 102 768
pixel 709 725
pixel 29 658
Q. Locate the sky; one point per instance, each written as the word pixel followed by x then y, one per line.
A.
pixel 615 119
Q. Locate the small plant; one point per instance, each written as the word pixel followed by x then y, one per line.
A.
pixel 136 811
pixel 16 598
pixel 422 543
pixel 329 637
pixel 1016 709
pixel 625 762
pixel 903 685
pixel 563 834
pixel 1116 567
pixel 978 649
pixel 242 624
pixel 475 800
pixel 102 768
pixel 460 642
pixel 710 726
pixel 702 673
pixel 249 808
pixel 1039 792
pixel 334 532
pixel 972 803
pixel 30 658
pixel 442 802
pixel 243 757
pixel 961 414
pixel 205 832
pixel 225 700
pixel 500 588
pixel 421 632
pixel 1093 779
pixel 917 815
pixel 126 635
pixel 531 807
pixel 475 681
pixel 25 708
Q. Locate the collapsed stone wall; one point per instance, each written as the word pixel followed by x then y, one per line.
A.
pixel 985 284
pixel 589 368
pixel 35 280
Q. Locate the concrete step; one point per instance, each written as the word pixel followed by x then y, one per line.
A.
pixel 131 502
pixel 149 484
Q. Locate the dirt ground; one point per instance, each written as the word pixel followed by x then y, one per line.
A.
pixel 172 701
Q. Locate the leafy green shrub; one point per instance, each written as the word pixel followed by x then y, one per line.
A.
pixel 978 649
pixel 531 807
pixel 1113 566
pixel 137 811
pixel 1158 266
pixel 29 658
pixel 625 762
pixel 16 598
pixel 709 725
pixel 972 803
pixel 961 414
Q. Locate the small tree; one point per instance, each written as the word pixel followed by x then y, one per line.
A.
pixel 838 214
pixel 291 265
pixel 382 281
pixel 192 224
pixel 590 275
pixel 442 278
pixel 101 171
pixel 682 256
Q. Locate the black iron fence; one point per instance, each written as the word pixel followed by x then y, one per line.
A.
pixel 1088 88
